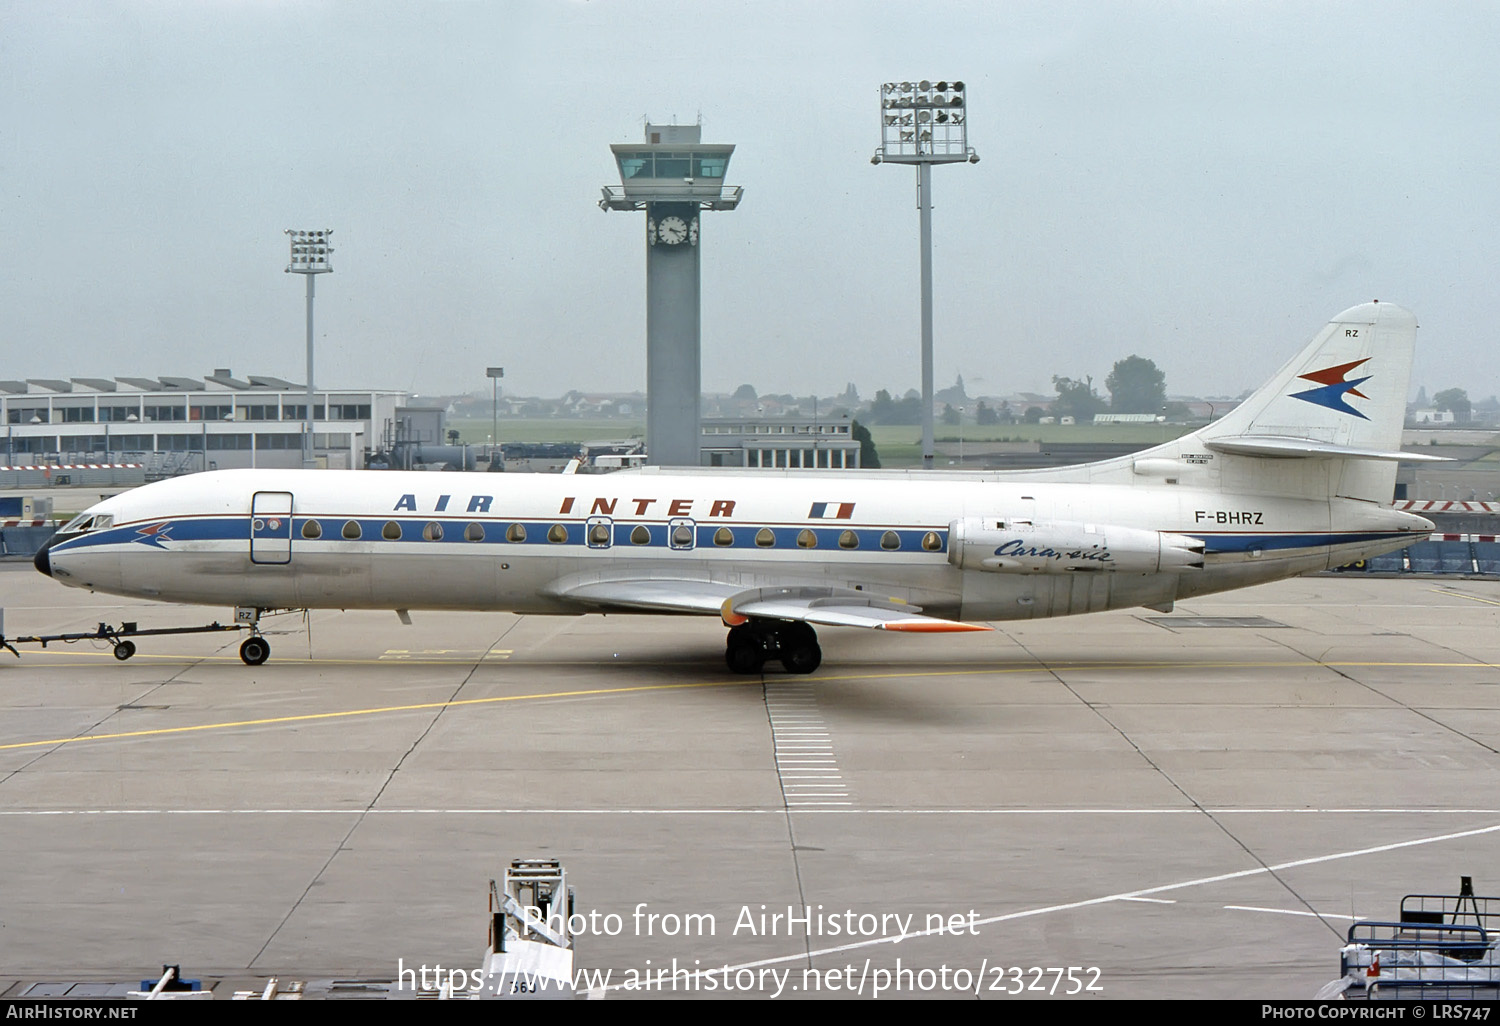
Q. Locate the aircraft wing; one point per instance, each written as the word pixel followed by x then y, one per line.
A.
pixel 834 607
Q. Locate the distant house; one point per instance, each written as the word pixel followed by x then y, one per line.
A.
pixel 1433 417
pixel 1128 418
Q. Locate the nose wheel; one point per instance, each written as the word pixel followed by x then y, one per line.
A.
pixel 751 644
pixel 255 650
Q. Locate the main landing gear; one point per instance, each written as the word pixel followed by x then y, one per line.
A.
pixel 792 641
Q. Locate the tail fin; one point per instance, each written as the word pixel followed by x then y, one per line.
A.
pixel 1347 387
pixel 1328 423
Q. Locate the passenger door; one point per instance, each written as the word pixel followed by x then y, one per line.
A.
pixel 271 528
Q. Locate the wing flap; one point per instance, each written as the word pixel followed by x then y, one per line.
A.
pixel 833 607
pixel 836 615
pixel 656 595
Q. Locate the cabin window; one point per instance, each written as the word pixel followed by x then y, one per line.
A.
pixel 557 534
pixel 391 531
pixel 474 532
pixel 515 533
pixel 723 536
pixel 682 537
pixel 640 535
pixel 433 531
pixel 312 529
pixel 351 530
pixel 931 542
pixel 765 537
pixel 806 539
pixel 598 535
pixel 890 540
pixel 848 540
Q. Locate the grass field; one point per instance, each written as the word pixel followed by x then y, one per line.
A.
pixel 899 446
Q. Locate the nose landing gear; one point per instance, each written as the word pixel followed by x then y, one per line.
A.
pixel 750 644
pixel 255 650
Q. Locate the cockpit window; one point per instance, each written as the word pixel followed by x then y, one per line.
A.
pixel 85 522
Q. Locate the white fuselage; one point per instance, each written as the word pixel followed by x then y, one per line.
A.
pixel 531 543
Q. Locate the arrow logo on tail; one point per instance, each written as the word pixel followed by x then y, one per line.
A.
pixel 1335 388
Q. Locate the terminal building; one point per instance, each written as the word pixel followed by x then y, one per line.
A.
pixel 795 444
pixel 180 424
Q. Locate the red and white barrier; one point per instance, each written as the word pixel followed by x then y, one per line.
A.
pixel 49 467
pixel 1445 506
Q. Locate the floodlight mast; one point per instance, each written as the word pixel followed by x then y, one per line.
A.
pixel 310 253
pixel 924 123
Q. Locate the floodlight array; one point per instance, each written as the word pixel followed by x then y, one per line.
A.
pixel 923 120
pixel 310 251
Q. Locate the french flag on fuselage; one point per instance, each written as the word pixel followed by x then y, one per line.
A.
pixel 831 511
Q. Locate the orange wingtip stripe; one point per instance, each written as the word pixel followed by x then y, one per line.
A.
pixel 931 627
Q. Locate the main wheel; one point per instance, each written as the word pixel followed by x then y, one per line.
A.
pixel 798 644
pixel 743 652
pixel 802 658
pixel 795 634
pixel 124 650
pixel 255 651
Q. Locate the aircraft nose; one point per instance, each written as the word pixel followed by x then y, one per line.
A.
pixel 43 561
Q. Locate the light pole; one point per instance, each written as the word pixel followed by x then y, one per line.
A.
pixel 924 123
pixel 960 437
pixel 494 374
pixel 310 253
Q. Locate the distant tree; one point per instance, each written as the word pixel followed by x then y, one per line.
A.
pixel 452 437
pixel 868 457
pixel 1076 399
pixel 985 414
pixel 950 415
pixel 1033 415
pixel 1455 400
pixel 745 392
pixel 885 410
pixel 1136 386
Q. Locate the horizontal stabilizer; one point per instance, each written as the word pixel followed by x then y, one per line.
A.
pixel 1287 447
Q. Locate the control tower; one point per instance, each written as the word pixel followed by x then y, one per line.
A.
pixel 673 176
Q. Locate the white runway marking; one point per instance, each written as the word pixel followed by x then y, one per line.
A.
pixel 733 812
pixel 1122 896
pixel 1294 912
pixel 802 745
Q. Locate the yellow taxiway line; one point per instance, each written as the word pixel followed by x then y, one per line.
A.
pixel 742 682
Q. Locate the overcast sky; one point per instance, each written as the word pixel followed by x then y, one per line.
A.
pixel 1204 184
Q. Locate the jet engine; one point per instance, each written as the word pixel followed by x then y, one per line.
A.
pixel 1003 545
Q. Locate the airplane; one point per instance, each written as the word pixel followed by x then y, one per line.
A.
pixel 1297 478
